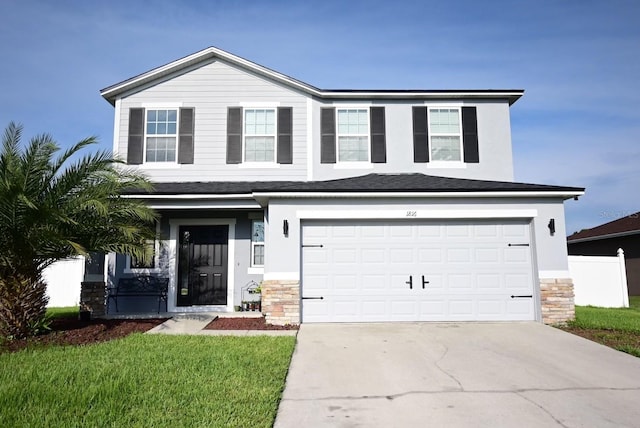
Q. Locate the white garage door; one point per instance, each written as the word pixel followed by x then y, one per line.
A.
pixel 358 271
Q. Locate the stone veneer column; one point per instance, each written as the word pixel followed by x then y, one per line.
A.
pixel 556 298
pixel 93 295
pixel 281 301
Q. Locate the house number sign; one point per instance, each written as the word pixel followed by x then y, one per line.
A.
pixel 412 214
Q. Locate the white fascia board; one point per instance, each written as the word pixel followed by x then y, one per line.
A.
pixel 321 195
pixel 203 206
pixel 416 214
pixel 188 196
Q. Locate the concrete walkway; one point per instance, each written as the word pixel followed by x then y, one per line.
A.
pixel 193 324
pixel 456 375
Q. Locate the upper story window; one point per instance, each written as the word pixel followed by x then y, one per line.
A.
pixel 353 135
pixel 445 134
pixel 259 135
pixel 161 135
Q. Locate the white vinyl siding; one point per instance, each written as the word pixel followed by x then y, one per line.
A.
pixel 211 89
pixel 353 135
pixel 445 135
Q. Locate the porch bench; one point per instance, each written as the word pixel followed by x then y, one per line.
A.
pixel 140 286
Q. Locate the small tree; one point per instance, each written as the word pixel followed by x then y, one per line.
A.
pixel 52 208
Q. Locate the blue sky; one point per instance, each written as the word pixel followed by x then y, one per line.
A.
pixel 578 123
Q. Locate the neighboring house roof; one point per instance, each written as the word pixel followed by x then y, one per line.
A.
pixel 112 92
pixel 629 225
pixel 370 183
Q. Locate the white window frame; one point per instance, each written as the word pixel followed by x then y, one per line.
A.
pixel 245 135
pixel 156 257
pixel 177 135
pixel 355 164
pixel 445 163
pixel 254 244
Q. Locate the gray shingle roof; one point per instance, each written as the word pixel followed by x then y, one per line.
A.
pixel 366 183
pixel 624 225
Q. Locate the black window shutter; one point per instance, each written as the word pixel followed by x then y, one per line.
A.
pixel 378 139
pixel 285 140
pixel 328 135
pixel 185 138
pixel 470 135
pixel 135 145
pixel 234 135
pixel 420 135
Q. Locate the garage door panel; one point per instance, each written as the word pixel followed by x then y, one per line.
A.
pixel 363 266
pixel 489 281
pixel 374 281
pixel 373 256
pixel 458 255
pixel 430 255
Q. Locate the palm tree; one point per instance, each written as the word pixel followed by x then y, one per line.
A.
pixel 53 208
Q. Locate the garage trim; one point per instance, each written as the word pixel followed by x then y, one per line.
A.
pixel 415 214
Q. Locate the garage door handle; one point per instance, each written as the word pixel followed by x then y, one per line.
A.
pixel 410 282
pixel 523 296
pixel 313 298
pixel 424 282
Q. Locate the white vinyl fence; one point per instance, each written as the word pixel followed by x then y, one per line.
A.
pixel 600 280
pixel 63 280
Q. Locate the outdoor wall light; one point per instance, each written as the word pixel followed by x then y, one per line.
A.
pixel 552 226
pixel 285 228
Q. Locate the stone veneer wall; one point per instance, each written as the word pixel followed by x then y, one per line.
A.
pixel 93 295
pixel 556 298
pixel 281 301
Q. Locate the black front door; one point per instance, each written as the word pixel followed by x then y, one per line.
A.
pixel 202 265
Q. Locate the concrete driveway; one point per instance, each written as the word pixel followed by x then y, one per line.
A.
pixel 456 375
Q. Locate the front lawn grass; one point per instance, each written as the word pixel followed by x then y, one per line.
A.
pixel 618 328
pixel 147 380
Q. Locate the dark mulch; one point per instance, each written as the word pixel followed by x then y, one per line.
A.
pixel 245 324
pixel 613 338
pixel 71 331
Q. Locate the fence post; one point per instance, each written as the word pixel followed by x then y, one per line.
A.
pixel 623 278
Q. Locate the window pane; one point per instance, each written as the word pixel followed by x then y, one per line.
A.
pixel 259 149
pixel 353 149
pixel 258 255
pixel 151 115
pixel 171 128
pixel 445 148
pixel 257 231
pixel 172 115
pixel 444 121
pixel 161 128
pixel 161 149
pixel 151 128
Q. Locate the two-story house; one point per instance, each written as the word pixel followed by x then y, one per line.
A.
pixel 345 205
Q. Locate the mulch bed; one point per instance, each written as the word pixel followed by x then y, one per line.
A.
pixel 71 331
pixel 245 324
